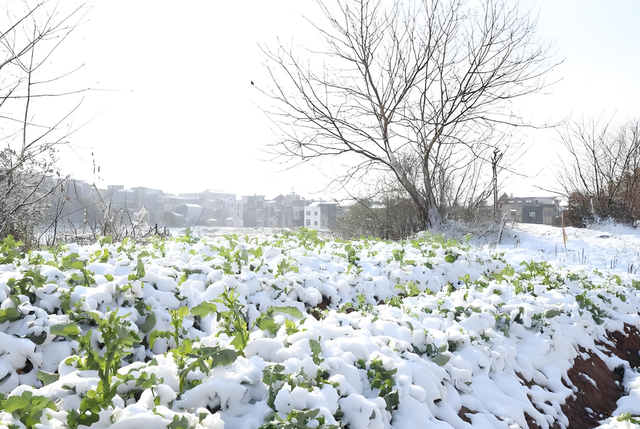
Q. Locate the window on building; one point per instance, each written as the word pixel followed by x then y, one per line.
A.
pixel 513 213
pixel 315 213
pixel 315 223
pixel 308 212
pixel 532 214
pixel 308 222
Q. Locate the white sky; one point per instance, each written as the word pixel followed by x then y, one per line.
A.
pixel 182 115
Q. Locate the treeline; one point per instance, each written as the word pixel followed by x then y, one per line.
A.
pixel 600 177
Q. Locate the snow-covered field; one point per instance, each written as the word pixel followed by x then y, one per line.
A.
pixel 288 330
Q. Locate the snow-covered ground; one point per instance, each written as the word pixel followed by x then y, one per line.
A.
pixel 287 330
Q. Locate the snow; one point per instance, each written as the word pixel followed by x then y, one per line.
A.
pixel 447 325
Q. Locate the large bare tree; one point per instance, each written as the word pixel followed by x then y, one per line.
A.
pixel 423 89
pixel 34 119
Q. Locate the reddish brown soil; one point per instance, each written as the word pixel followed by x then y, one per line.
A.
pixel 589 403
pixel 463 414
pixel 627 345
pixel 530 420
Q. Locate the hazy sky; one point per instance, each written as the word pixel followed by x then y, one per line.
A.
pixel 182 113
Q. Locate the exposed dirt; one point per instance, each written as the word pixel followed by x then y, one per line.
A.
pixel 627 345
pixel 596 388
pixel 533 425
pixel 530 420
pixel 463 414
pixel 323 305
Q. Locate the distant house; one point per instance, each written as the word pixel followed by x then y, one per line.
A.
pixel 321 215
pixel 539 210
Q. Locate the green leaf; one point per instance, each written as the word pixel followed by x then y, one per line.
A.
pixel 392 400
pixel 204 309
pixel 15 403
pixel 109 277
pixel 292 311
pixel 106 240
pixel 183 312
pixel 266 323
pixel 10 314
pixel 221 357
pixel 178 423
pixel 290 327
pixel 316 349
pixel 65 329
pixel 149 323
pixel 47 377
pixel 273 373
pixel 239 341
pixel 77 265
pixel 552 313
pixel 440 359
pixel 37 339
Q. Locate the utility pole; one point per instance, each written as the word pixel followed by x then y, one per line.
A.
pixel 495 159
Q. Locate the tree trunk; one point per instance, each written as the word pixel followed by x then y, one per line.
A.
pixel 426 203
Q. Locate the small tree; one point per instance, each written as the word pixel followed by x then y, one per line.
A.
pixel 385 211
pixel 30 134
pixel 426 81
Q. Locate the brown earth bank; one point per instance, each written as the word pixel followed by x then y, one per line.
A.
pixel 596 389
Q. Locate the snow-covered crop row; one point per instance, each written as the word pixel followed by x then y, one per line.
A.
pixel 291 331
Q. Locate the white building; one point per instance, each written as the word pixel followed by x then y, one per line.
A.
pixel 321 215
pixel 313 216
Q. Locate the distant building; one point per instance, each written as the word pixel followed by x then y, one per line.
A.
pixel 86 205
pixel 321 215
pixel 253 210
pixel 195 215
pixel 539 210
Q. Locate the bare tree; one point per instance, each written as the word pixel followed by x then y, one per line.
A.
pixel 432 81
pixel 600 177
pixel 30 33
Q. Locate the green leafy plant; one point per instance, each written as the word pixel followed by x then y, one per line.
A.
pixel 27 285
pixel 588 304
pixel 180 347
pixel 382 379
pixel 28 408
pixel 274 377
pixel 11 314
pixel 627 417
pixel 10 250
pixel 118 338
pixel 234 320
pixel 286 265
pixel 435 353
pixel 205 359
pixel 299 419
